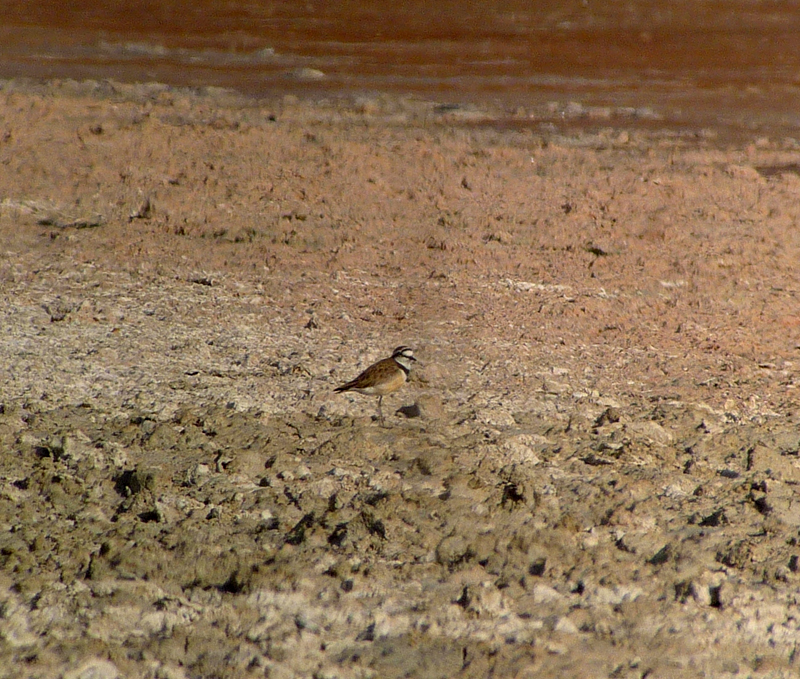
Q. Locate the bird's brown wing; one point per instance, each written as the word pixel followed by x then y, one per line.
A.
pixel 375 374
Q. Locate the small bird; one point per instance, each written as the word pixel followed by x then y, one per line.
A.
pixel 383 377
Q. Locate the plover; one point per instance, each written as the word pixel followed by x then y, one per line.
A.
pixel 383 377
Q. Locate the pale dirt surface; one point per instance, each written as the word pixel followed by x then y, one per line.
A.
pixel 603 478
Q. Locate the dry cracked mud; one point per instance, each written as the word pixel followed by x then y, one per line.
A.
pixel 600 476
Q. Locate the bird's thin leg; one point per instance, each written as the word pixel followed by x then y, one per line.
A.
pixel 380 412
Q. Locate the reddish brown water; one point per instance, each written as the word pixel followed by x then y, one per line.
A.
pixel 686 62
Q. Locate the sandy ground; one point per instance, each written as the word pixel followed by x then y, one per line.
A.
pixel 602 477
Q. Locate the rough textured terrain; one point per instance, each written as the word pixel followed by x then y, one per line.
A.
pixel 603 477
